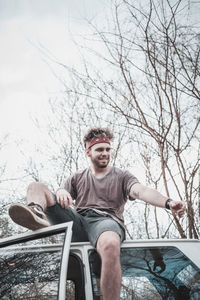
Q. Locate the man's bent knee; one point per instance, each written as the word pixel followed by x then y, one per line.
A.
pixel 109 242
pixel 39 192
pixel 37 185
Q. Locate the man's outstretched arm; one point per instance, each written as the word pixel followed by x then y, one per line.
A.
pixel 155 198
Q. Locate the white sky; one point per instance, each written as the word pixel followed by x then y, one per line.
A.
pixel 26 83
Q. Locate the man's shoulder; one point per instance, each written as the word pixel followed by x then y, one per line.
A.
pixel 120 171
pixel 80 173
pixel 75 178
pixel 125 174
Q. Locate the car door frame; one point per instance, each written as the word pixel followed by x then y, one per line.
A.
pixel 42 233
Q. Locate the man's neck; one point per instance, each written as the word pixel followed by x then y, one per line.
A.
pixel 100 172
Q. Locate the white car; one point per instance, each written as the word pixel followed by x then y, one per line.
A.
pixel 45 265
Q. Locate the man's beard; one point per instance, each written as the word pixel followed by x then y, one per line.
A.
pixel 103 166
pixel 98 164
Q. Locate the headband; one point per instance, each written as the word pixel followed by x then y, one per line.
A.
pixel 97 140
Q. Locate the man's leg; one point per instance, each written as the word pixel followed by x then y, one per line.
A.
pixel 32 216
pixel 108 246
pixel 39 193
pixel 39 200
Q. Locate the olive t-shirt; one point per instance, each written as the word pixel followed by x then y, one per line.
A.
pixel 108 194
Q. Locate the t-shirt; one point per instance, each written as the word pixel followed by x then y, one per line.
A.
pixel 108 194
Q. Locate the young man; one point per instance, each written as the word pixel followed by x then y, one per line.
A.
pixel 94 199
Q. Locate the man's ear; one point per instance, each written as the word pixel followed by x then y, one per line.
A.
pixel 87 151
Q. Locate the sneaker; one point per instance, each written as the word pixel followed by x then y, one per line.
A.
pixel 28 216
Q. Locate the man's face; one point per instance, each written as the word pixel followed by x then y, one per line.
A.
pixel 100 154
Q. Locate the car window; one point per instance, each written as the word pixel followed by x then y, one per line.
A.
pixel 31 275
pixel 32 270
pixel 34 274
pixel 152 273
pixel 75 278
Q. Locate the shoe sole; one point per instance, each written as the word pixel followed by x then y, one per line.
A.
pixel 23 216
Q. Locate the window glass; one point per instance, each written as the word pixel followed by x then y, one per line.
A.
pixel 31 269
pixel 33 273
pixel 152 273
pixel 75 275
pixel 70 290
pixel 29 275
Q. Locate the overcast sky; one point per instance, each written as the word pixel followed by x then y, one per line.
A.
pixel 26 82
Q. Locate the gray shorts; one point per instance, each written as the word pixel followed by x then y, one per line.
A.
pixel 87 226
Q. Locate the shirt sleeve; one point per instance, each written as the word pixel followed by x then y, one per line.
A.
pixel 129 180
pixel 70 186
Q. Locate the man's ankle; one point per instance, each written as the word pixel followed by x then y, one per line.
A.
pixel 36 204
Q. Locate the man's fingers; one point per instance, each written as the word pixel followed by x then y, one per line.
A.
pixel 64 200
pixel 64 203
pixel 178 208
pixel 68 202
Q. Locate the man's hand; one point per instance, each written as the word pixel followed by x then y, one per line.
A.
pixel 64 198
pixel 177 208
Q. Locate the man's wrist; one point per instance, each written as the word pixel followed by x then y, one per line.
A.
pixel 167 206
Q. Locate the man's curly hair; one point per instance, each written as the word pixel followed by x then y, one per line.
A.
pixel 97 131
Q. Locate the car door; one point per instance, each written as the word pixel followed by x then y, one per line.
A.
pixel 34 264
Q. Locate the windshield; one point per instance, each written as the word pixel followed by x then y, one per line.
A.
pixel 152 273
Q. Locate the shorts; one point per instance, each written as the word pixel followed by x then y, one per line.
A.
pixel 87 225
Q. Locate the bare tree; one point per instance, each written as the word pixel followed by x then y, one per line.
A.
pixel 152 88
pixel 63 150
pixel 145 88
